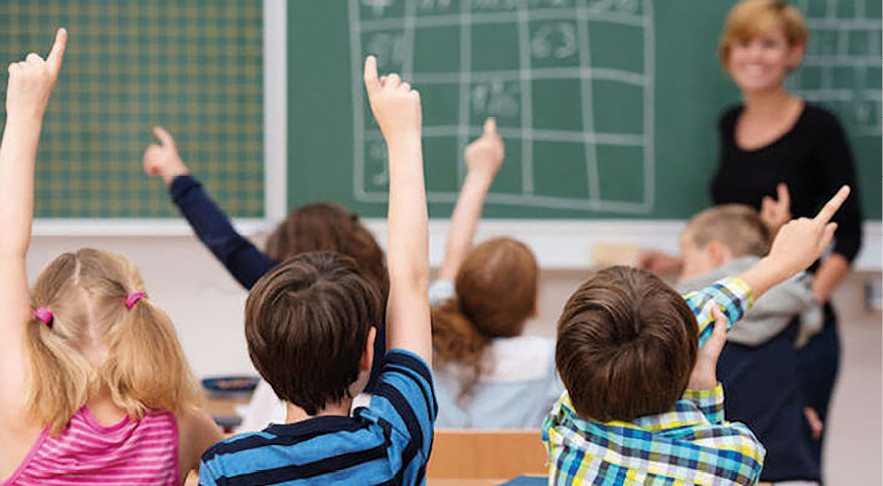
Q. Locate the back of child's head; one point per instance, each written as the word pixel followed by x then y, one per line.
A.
pixel 496 292
pixel 737 226
pixel 626 345
pixel 307 324
pixel 326 226
pixel 95 308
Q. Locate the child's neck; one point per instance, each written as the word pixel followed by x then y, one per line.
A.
pixel 296 414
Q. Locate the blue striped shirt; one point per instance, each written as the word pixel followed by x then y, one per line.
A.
pixel 387 442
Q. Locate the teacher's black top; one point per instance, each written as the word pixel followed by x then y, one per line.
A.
pixel 813 158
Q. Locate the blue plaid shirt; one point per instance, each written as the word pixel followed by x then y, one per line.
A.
pixel 690 444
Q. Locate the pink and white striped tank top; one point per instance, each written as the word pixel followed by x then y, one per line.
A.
pixel 87 452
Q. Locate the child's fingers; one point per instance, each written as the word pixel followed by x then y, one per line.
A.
pixel 832 206
pixel 393 80
pixel 371 81
pixel 827 236
pixel 56 55
pixel 33 59
pixel 147 160
pixel 164 136
pixel 712 348
pixel 406 86
pixel 490 126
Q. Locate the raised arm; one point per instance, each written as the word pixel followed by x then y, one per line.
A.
pixel 797 245
pixel 483 159
pixel 239 256
pixel 397 110
pixel 27 93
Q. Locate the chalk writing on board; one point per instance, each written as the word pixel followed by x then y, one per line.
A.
pixel 542 60
pixel 842 65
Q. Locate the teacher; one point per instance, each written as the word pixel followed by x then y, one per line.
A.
pixel 785 157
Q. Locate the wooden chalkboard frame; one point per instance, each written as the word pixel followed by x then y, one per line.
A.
pixel 275 155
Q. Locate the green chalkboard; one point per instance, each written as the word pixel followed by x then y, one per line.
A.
pixel 608 107
pixel 194 66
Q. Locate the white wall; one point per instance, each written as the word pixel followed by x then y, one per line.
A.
pixel 181 276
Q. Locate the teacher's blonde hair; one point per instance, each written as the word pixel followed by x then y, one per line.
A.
pixel 144 366
pixel 749 18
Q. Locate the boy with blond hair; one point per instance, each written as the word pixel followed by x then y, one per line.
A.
pixel 759 366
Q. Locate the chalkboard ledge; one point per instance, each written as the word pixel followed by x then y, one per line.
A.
pixel 137 227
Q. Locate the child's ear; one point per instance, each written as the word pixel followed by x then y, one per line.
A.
pixel 719 251
pixel 368 352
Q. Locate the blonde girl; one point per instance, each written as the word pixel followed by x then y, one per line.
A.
pixel 94 387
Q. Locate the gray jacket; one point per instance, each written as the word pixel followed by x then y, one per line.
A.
pixel 773 311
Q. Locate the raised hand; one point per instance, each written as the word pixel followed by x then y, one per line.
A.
pixel 162 159
pixel 775 213
pixel 485 155
pixel 797 245
pixel 31 81
pixel 801 241
pixel 704 376
pixel 394 104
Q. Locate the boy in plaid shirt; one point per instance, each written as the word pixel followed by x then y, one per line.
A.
pixel 643 405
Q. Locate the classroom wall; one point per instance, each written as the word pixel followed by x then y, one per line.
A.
pixel 207 305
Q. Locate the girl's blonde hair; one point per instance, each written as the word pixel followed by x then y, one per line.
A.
pixel 496 293
pixel 750 18
pixel 144 366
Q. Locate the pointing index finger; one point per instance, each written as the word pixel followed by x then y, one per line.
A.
pixel 164 136
pixel 371 81
pixel 53 60
pixel 490 126
pixel 832 206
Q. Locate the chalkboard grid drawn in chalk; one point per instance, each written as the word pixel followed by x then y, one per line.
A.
pixel 842 65
pixel 195 67
pixel 543 68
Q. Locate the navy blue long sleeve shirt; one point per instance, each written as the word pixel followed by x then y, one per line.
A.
pixel 245 262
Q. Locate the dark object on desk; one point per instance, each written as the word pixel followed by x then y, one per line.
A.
pixel 230 387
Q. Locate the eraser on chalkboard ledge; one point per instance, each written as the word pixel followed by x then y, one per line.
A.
pixel 608 253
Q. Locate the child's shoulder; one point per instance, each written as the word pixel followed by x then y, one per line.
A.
pixel 237 443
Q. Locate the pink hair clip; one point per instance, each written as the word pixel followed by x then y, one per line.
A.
pixel 43 315
pixel 133 298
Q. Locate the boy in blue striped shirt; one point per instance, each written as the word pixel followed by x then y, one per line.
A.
pixel 310 330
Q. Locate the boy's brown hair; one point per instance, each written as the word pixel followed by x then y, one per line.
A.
pixel 326 226
pixel 626 347
pixel 735 225
pixel 307 323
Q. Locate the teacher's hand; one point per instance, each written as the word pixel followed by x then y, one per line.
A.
pixel 775 213
pixel 658 262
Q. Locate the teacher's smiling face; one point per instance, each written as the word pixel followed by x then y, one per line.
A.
pixel 761 62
